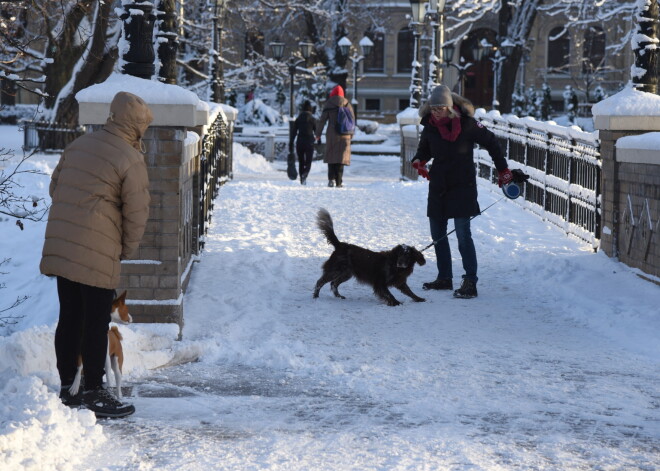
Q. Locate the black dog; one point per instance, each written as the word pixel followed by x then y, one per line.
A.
pixel 378 269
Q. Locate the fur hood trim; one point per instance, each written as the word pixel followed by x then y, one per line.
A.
pixel 465 105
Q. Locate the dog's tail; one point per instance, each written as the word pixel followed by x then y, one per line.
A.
pixel 324 221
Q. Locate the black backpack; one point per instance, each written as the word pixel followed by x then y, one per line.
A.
pixel 345 125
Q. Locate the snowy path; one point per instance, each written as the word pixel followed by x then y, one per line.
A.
pixel 517 378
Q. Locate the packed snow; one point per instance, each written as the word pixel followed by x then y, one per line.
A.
pixel 554 365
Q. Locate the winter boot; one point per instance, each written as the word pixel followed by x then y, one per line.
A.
pixel 440 283
pixel 331 183
pixel 69 399
pixel 104 404
pixel 467 290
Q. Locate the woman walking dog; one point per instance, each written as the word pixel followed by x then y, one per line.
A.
pixel 448 138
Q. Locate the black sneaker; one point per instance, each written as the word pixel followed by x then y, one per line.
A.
pixel 69 399
pixel 440 283
pixel 104 404
pixel 467 290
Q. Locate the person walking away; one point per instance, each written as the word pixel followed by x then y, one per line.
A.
pixel 304 127
pixel 448 137
pixel 100 205
pixel 337 146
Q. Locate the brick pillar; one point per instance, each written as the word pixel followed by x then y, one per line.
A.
pixel 156 278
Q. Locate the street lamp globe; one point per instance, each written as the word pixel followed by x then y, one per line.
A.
pixel 366 45
pixel 418 10
pixel 448 52
pixel 277 49
pixel 344 46
pixel 306 48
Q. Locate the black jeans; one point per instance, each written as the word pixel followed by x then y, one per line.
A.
pixel 305 151
pixel 336 173
pixel 82 329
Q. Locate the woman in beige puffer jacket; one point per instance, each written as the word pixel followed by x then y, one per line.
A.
pixel 100 192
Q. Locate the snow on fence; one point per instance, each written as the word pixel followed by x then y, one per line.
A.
pixel 215 169
pixel 563 163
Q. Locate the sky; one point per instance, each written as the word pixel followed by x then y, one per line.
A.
pixel 555 365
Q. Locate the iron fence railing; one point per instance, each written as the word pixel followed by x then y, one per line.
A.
pixel 215 169
pixel 563 163
pixel 49 137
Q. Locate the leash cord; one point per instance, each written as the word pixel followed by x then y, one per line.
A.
pixel 454 230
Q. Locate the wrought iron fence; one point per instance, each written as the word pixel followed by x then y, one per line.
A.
pixel 564 166
pixel 563 163
pixel 49 137
pixel 215 169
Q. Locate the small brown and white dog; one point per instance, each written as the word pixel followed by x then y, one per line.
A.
pixel 381 270
pixel 114 359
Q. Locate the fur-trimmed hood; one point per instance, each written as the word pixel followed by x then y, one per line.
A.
pixel 465 105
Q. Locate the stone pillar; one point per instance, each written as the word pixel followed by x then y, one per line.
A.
pixel 157 276
pixel 630 179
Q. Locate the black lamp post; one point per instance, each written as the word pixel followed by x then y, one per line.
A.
pixel 138 27
pixel 448 55
pixel 217 69
pixel 345 46
pixel 645 70
pixel 436 15
pixel 418 11
pixel 277 51
pixel 501 53
pixel 167 41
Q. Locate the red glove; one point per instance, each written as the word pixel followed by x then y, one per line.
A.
pixel 421 169
pixel 505 177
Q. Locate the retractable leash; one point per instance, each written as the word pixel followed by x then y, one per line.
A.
pixel 511 191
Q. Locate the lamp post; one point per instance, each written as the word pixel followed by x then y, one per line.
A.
pixel 501 53
pixel 448 55
pixel 645 70
pixel 217 70
pixel 365 46
pixel 436 15
pixel 418 11
pixel 277 51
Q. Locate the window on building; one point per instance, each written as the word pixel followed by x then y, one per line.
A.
pixel 404 103
pixel 593 51
pixel 404 50
pixel 254 44
pixel 372 104
pixel 559 48
pixel 374 63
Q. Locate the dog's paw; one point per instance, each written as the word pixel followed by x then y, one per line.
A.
pixel 419 300
pixel 393 302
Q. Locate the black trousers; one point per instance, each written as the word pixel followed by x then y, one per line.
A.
pixel 336 173
pixel 82 329
pixel 305 151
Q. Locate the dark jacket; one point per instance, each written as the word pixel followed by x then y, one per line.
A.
pixel 100 192
pixel 304 127
pixel 337 147
pixel 453 185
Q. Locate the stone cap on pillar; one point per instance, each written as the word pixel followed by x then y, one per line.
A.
pixel 171 105
pixel 628 110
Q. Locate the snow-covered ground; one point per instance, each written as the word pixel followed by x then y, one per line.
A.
pixel 555 366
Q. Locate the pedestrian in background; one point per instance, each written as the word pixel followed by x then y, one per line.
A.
pixel 304 127
pixel 100 205
pixel 448 138
pixel 337 146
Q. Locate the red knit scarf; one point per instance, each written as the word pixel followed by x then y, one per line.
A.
pixel 449 129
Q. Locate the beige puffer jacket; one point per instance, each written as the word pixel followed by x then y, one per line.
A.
pixel 100 192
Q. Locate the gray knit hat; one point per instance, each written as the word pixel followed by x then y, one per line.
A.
pixel 441 96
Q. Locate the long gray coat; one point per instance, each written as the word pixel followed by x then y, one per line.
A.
pixel 337 147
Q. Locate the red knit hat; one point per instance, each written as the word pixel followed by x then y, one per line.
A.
pixel 337 91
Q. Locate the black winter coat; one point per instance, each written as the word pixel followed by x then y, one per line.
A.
pixel 304 127
pixel 453 185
